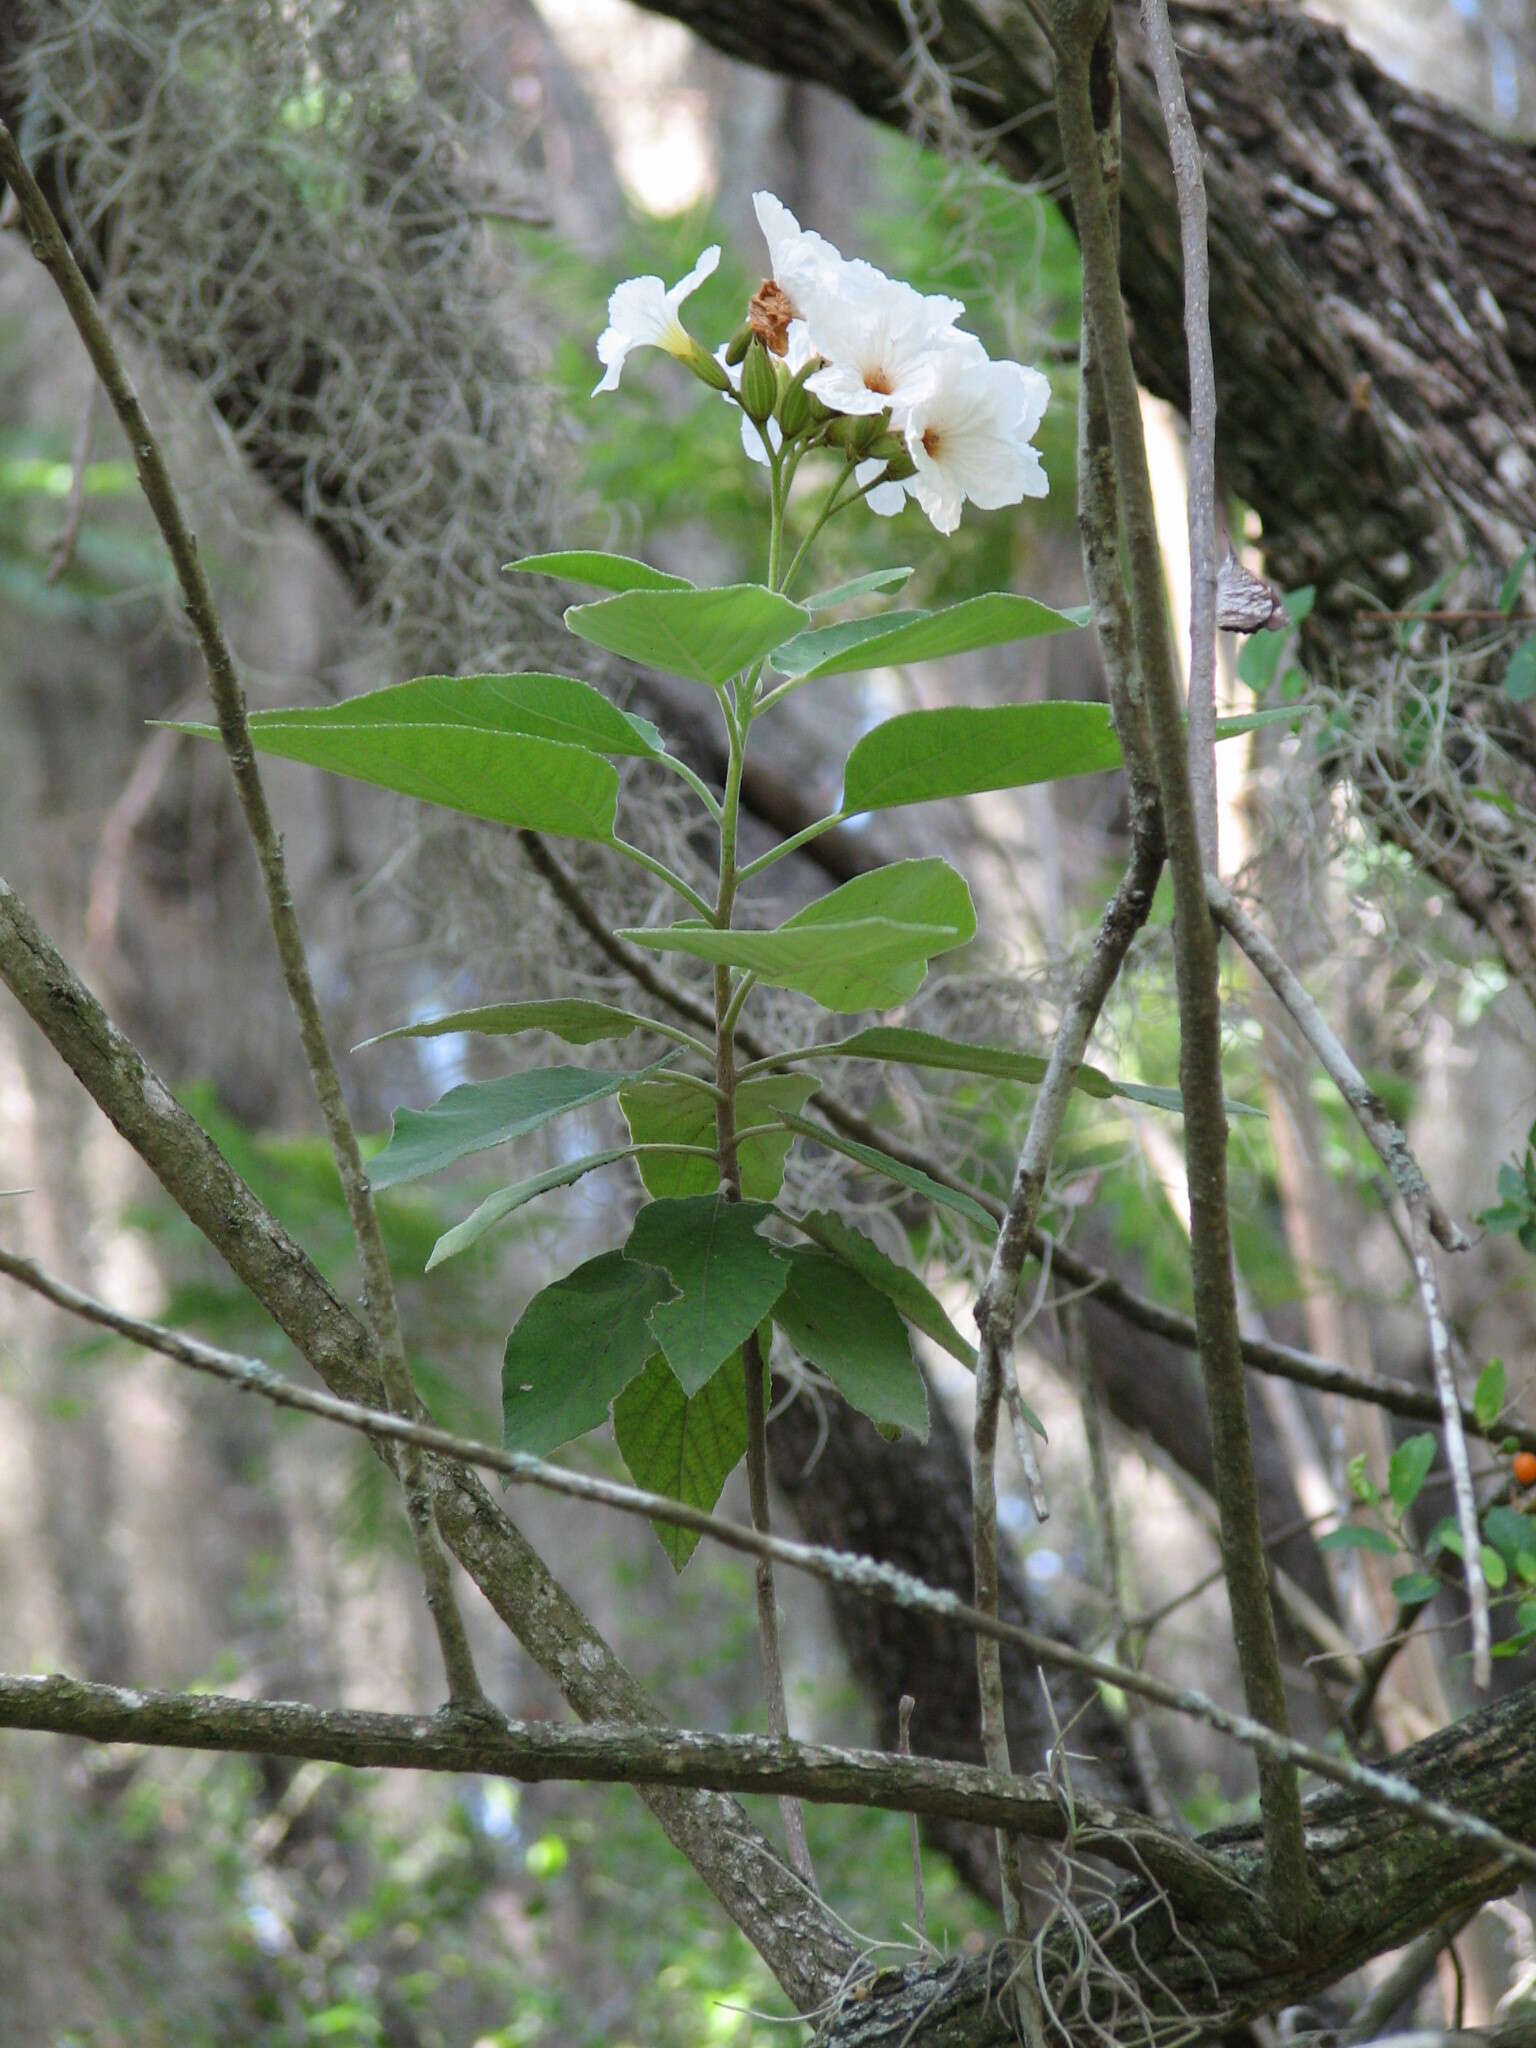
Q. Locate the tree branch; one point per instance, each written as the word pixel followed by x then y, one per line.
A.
pixel 1091 49
pixel 862 1575
pixel 799 1940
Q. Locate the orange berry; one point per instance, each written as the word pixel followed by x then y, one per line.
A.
pixel 1525 1468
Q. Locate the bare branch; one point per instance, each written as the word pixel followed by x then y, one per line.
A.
pixel 1385 1135
pixel 539 1752
pixel 1455 1448
pixel 1220 1348
pixel 1189 191
pixel 864 1576
pixel 802 1944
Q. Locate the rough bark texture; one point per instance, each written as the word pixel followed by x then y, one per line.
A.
pixel 1382 1878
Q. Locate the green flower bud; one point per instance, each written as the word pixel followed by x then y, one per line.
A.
pixel 854 433
pixel 759 391
pixel 739 343
pixel 899 468
pixel 889 446
pixel 796 411
pixel 705 368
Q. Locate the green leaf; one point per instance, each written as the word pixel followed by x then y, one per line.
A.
pixel 685 1448
pixel 895 1169
pixel 1520 676
pixel 1408 1468
pixel 1361 1485
pixel 571 1018
pixel 576 1346
pixel 989 621
pixel 604 572
pixel 1353 1536
pixel 851 1331
pixel 565 791
pixel 1495 1570
pixel 479 1114
pixel 538 706
pixel 857 586
pixel 897 1282
pixel 727 1278
pixel 1254 721
pixel 865 946
pixel 1509 589
pixel 668 1112
pixel 707 636
pixel 506 1200
pixel 1489 1395
pixel 1509 1531
pixel 1446 1535
pixel 1414 1588
pixel 907 1048
pixel 922 756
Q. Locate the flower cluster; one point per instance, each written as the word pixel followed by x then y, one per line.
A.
pixel 836 351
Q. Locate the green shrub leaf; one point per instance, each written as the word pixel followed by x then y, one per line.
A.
pixel 895 1169
pixel 683 1447
pixel 669 1112
pixel 727 1278
pixel 857 586
pixel 897 1282
pixel 576 1346
pixel 603 572
pixel 1489 1395
pixel 922 756
pixel 851 1331
pixel 865 946
pixel 1355 1536
pixel 508 1199
pixel 1408 1468
pixel 990 621
pixel 708 636
pixel 479 1114
pixel 571 1018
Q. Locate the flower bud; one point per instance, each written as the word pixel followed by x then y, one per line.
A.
pixel 738 344
pixel 795 407
pixel 759 391
pixel 855 433
pixel 704 366
pixel 899 468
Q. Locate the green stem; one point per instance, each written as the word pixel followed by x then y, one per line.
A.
pixel 796 840
pixel 696 783
pixel 663 873
pixel 728 1002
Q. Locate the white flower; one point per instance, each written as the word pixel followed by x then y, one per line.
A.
pixel 800 262
pixel 888 498
pixel 878 337
pixel 968 433
pixel 642 313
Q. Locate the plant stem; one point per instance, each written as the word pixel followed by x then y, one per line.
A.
pixel 728 1002
pixel 1088 44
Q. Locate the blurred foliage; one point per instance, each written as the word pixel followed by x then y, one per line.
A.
pixel 115 560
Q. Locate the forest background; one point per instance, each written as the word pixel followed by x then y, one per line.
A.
pixel 154 1531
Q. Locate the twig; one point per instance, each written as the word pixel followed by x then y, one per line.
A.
pixel 1385 1136
pixel 1286 1883
pixel 1179 1866
pixel 53 251
pixel 1189 192
pixel 74 510
pixel 904 1707
pixel 1455 1449
pixel 1404 1980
